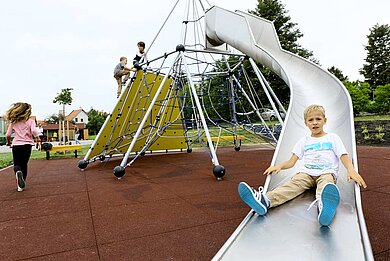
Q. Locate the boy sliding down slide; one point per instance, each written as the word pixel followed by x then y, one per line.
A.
pixel 320 153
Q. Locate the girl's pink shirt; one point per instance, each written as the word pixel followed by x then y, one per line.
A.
pixel 23 132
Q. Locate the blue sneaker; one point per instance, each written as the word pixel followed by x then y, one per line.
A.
pixel 329 201
pixel 254 199
pixel 19 177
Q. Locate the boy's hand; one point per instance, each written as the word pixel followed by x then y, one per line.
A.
pixel 272 170
pixel 356 177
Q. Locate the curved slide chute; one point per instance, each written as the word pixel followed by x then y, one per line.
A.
pixel 290 232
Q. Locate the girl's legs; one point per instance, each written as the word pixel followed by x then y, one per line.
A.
pixel 21 155
pixel 296 186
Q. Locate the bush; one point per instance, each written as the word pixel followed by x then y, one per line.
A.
pixel 382 99
pixel 360 94
pixel 3 141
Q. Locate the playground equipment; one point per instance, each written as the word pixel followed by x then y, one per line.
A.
pixel 290 232
pixel 189 96
pixel 168 111
pixel 179 94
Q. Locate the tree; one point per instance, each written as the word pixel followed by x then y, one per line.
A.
pixel 382 98
pixel 95 120
pixel 288 34
pixel 376 70
pixel 64 98
pixel 338 73
pixel 287 31
pixel 54 119
pixel 359 92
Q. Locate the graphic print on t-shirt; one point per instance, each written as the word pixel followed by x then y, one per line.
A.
pixel 314 153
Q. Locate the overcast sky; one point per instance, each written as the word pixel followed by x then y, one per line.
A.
pixel 48 45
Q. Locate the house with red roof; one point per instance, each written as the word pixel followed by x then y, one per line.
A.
pixel 78 116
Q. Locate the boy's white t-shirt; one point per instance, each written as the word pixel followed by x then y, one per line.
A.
pixel 320 155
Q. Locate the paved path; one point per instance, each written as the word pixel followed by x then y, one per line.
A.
pixel 167 207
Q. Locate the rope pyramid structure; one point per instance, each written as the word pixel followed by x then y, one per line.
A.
pixel 180 98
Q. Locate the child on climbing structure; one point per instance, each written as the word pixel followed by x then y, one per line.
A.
pixel 320 153
pixel 120 71
pixel 24 128
pixel 140 57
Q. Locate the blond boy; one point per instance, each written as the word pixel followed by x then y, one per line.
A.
pixel 120 71
pixel 320 154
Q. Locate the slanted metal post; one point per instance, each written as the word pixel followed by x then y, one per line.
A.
pixel 146 116
pixel 254 66
pixel 200 111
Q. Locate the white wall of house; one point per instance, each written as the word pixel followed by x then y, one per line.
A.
pixel 82 117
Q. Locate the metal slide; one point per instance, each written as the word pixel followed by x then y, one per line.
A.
pixel 290 232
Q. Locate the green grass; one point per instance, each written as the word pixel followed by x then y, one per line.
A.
pixel 6 158
pixel 372 118
pixel 215 132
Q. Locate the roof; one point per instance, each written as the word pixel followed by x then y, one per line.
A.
pixel 55 126
pixel 74 114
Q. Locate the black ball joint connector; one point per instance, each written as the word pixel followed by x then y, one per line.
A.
pixel 219 171
pixel 180 48
pixel 83 164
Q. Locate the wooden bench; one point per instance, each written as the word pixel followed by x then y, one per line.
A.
pixel 74 148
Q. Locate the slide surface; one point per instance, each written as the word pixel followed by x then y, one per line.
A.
pixel 290 232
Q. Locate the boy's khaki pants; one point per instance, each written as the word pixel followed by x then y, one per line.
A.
pixel 118 77
pixel 297 185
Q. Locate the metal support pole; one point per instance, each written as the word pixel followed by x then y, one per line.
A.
pixel 104 126
pixel 146 116
pixel 198 105
pixel 231 92
pixel 159 31
pixel 254 107
pixel 97 137
pixel 272 92
pixel 256 69
pixel 232 99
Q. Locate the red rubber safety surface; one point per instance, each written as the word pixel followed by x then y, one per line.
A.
pixel 167 207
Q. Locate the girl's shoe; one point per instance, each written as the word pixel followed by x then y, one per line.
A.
pixel 19 177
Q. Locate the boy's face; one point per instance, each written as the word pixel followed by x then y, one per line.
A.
pixel 124 61
pixel 140 48
pixel 315 121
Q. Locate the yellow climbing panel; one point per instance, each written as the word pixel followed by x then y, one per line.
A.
pixel 162 131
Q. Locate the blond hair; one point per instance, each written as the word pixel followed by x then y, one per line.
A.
pixel 313 107
pixel 19 111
